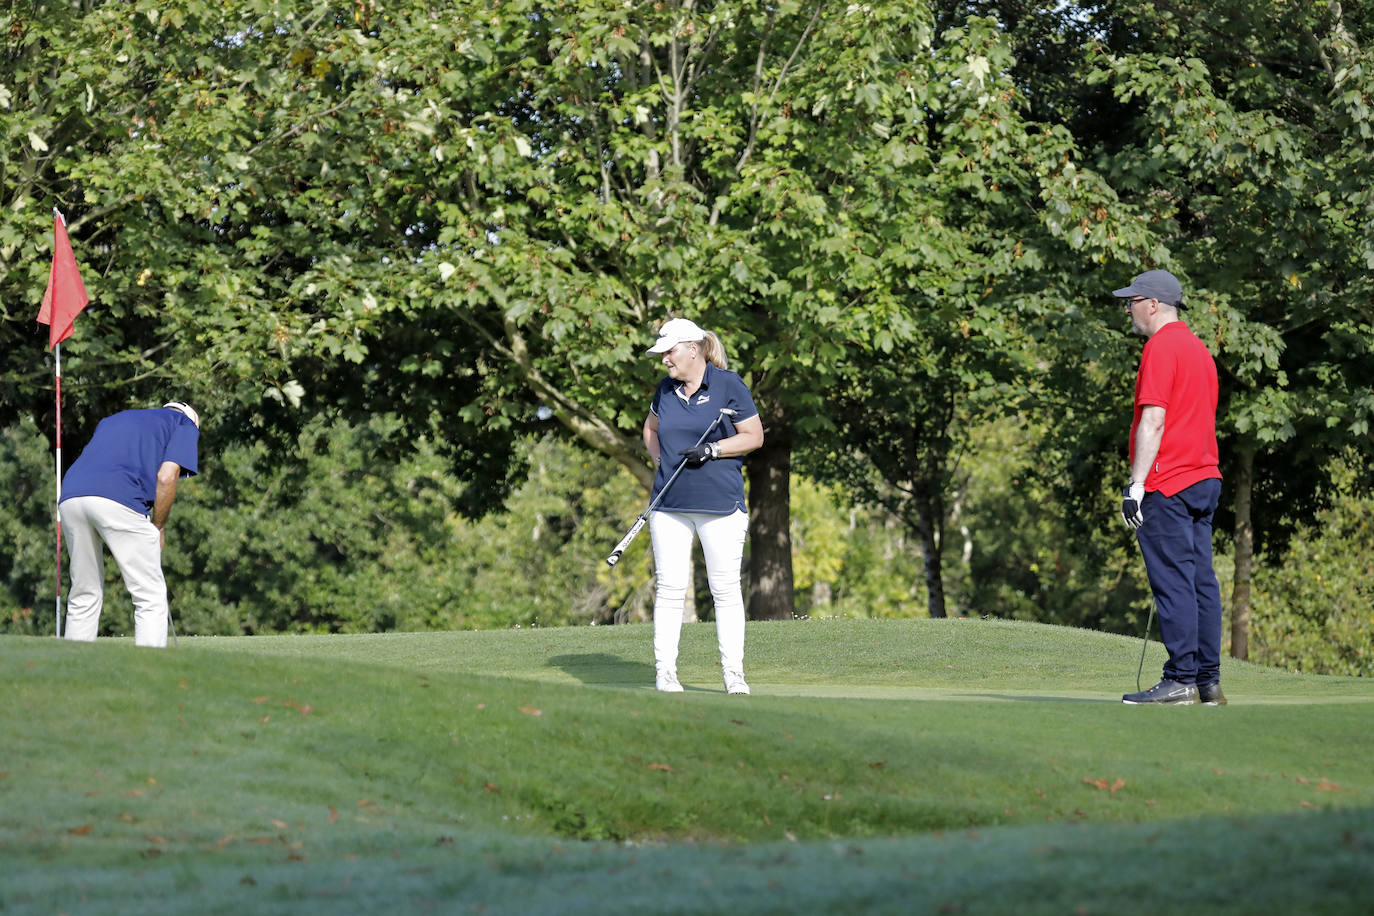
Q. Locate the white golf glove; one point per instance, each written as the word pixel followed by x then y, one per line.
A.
pixel 1132 496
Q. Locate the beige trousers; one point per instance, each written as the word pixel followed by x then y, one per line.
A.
pixel 136 545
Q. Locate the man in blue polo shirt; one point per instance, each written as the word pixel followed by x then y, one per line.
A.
pixel 120 492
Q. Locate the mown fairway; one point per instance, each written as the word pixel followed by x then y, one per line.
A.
pixel 881 766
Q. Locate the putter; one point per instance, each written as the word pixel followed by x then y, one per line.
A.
pixel 614 558
pixel 1145 641
pixel 1145 638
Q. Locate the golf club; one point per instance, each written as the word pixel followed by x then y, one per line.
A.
pixel 1145 641
pixel 614 558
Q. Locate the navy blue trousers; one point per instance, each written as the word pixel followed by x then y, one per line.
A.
pixel 1176 541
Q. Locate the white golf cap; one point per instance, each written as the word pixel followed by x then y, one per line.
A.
pixel 677 331
pixel 186 409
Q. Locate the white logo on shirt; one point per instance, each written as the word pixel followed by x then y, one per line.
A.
pixel 703 399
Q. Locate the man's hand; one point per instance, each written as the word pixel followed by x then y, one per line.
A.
pixel 698 455
pixel 1131 498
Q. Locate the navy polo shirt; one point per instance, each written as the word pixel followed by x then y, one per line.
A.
pixel 717 487
pixel 122 460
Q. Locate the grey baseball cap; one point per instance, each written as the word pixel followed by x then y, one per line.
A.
pixel 1154 284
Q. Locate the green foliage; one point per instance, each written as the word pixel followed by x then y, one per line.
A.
pixel 342 541
pixel 819 544
pixel 337 536
pixel 541 561
pixel 1010 550
pixel 245 188
pixel 902 217
pixel 1314 605
pixel 1024 561
pixel 850 560
pixel 29 532
pixel 986 246
pixel 335 540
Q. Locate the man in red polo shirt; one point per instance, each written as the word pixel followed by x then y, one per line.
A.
pixel 1174 488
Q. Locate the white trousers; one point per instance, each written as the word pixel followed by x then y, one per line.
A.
pixel 722 543
pixel 136 545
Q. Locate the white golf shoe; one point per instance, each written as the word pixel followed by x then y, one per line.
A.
pixel 734 682
pixel 666 682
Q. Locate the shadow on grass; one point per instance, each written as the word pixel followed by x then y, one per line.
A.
pixel 1041 699
pixel 604 668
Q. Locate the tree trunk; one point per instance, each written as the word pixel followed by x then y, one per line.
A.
pixel 931 531
pixel 770 536
pixel 1245 555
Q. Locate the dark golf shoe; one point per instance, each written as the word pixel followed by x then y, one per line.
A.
pixel 1210 695
pixel 1166 692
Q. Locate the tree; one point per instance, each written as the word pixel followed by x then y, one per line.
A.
pixel 344 539
pixel 242 185
pixel 796 175
pixel 466 216
pixel 1313 600
pixel 668 159
pixel 27 565
pixel 472 218
pixel 988 235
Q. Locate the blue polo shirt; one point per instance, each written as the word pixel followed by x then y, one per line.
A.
pixel 123 457
pixel 717 487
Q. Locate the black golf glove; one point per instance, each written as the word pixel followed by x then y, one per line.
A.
pixel 698 455
pixel 1131 498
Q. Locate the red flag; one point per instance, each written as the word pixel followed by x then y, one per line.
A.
pixel 66 294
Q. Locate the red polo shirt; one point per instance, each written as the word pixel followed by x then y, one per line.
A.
pixel 1177 373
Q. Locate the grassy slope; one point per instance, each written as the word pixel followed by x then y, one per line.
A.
pixel 537 770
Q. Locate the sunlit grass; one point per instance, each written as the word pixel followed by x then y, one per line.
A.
pixel 455 767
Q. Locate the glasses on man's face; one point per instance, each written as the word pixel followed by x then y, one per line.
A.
pixel 1131 303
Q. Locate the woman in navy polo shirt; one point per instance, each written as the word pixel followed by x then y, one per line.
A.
pixel 706 500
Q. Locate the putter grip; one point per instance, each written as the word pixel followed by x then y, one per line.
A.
pixel 614 558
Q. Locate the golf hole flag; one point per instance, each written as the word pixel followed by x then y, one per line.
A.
pixel 62 302
pixel 66 294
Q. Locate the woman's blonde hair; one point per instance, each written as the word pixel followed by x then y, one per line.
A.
pixel 713 351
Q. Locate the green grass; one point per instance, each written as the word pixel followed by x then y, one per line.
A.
pixel 881 766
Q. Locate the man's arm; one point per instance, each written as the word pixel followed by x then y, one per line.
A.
pixel 1148 434
pixel 167 477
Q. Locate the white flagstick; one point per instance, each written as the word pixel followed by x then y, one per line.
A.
pixel 52 305
pixel 57 514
